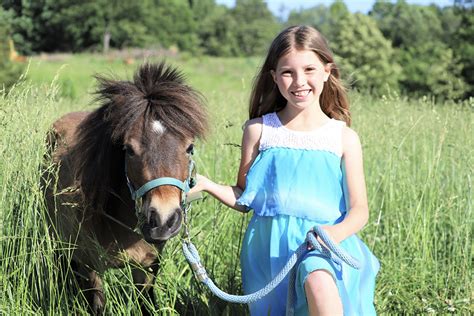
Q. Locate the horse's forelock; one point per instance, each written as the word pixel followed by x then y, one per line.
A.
pixel 149 77
pixel 175 104
pixel 158 92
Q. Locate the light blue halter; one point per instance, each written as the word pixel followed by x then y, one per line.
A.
pixel 184 186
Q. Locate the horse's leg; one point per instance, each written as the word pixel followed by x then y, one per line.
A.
pixel 91 286
pixel 144 280
pixel 97 293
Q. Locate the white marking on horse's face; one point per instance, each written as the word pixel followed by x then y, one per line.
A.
pixel 157 127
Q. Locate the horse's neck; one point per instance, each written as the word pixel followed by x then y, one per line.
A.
pixel 121 207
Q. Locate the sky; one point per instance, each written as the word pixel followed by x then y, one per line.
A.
pixel 362 6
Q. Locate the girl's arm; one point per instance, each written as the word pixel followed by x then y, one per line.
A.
pixel 358 213
pixel 229 194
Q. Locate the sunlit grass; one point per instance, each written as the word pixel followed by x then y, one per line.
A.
pixel 418 159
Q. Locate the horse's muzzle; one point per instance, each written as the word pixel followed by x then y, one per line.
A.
pixel 156 231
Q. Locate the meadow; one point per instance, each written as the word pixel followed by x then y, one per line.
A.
pixel 418 159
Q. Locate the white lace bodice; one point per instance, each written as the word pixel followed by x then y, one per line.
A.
pixel 327 137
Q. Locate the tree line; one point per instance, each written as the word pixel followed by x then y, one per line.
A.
pixel 398 47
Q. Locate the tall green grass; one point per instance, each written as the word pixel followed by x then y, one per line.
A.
pixel 418 159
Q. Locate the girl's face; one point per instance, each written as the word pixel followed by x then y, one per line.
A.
pixel 300 77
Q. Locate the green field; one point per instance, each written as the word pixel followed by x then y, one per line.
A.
pixel 418 162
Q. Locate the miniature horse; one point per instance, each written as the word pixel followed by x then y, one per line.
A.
pixel 143 130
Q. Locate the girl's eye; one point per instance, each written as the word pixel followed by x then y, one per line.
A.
pixel 286 73
pixel 311 69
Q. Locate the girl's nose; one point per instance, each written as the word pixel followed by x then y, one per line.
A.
pixel 300 80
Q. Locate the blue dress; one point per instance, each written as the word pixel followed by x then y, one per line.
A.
pixel 295 183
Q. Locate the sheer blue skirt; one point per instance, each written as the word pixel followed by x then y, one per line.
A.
pixel 270 241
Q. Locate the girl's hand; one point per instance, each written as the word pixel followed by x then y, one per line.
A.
pixel 332 231
pixel 333 235
pixel 226 194
pixel 201 184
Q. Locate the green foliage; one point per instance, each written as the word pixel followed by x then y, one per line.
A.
pixel 87 22
pixel 256 26
pixel 407 25
pixel 217 33
pixel 172 23
pixel 21 25
pixel 428 69
pixel 245 30
pixel 65 25
pixel 10 72
pixel 420 33
pixel 324 19
pixel 365 55
pixel 450 19
pixel 463 46
pixel 319 17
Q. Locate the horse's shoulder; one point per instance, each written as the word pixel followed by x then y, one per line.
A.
pixel 65 126
pixel 69 121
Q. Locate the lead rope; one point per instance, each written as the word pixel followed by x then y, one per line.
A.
pixel 335 253
pixel 332 252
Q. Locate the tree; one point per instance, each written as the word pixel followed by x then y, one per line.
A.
pixel 10 72
pixel 406 25
pixel 419 33
pixel 256 26
pixel 172 23
pixel 217 33
pixel 463 45
pixel 318 17
pixel 324 19
pixel 74 25
pixel 24 25
pixel 365 54
pixel 428 69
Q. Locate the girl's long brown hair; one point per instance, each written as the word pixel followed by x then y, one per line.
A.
pixel 266 98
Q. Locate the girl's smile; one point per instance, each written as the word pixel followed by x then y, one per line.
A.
pixel 301 94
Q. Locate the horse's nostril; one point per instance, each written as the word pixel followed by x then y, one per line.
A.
pixel 175 219
pixel 152 217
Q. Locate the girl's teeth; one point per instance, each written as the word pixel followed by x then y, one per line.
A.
pixel 301 93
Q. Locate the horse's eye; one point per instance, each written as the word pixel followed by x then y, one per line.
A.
pixel 190 149
pixel 128 150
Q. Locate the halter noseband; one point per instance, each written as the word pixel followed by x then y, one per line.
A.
pixel 184 186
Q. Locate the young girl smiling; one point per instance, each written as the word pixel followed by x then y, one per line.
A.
pixel 301 166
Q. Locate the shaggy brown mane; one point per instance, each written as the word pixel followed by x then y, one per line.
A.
pixel 156 92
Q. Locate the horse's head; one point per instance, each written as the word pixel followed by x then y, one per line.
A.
pixel 144 131
pixel 158 166
pixel 158 146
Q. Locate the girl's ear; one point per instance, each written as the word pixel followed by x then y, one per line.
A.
pixel 327 70
pixel 273 73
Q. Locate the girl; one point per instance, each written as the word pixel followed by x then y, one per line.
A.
pixel 301 166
